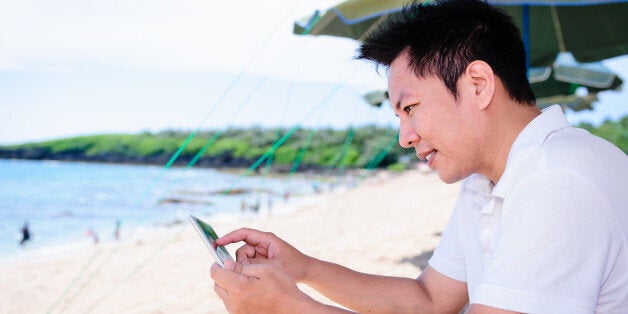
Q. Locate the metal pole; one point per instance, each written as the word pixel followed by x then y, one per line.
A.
pixel 526 32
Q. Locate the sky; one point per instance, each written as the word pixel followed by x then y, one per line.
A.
pixel 72 68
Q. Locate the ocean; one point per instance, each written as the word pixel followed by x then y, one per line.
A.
pixel 61 201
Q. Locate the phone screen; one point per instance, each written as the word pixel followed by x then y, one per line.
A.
pixel 209 236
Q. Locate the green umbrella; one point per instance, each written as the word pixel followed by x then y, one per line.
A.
pixel 565 39
pixel 592 30
pixel 548 92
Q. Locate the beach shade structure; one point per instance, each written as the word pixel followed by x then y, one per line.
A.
pixel 571 84
pixel 549 89
pixel 548 92
pixel 565 39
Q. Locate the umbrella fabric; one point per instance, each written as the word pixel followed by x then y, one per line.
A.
pixel 591 30
pixel 547 92
pixel 577 32
pixel 351 19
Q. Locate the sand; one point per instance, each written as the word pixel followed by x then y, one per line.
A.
pixel 388 225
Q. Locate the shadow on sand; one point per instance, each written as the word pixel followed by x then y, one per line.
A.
pixel 419 261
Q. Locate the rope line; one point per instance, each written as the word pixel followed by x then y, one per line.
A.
pixel 100 249
pixel 266 156
pixel 378 159
pixel 168 165
pixel 302 150
pixel 134 271
pixel 344 150
pixel 174 157
pixel 249 170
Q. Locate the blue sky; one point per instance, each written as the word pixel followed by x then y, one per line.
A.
pixel 72 67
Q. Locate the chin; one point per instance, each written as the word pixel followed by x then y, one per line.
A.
pixel 449 178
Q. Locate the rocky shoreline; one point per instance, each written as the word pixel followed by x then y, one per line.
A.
pixel 223 161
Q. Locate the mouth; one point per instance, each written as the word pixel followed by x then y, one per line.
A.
pixel 427 155
pixel 430 155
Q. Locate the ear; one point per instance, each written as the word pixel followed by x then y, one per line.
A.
pixel 482 78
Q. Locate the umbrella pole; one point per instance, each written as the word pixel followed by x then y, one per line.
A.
pixel 559 31
pixel 526 33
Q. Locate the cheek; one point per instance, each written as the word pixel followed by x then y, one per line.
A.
pixel 423 124
pixel 457 144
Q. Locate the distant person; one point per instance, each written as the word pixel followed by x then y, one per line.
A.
pixel 243 206
pixel 316 187
pixel 92 234
pixel 116 232
pixel 541 221
pixel 256 205
pixel 26 234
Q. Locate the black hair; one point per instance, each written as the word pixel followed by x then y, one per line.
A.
pixel 443 37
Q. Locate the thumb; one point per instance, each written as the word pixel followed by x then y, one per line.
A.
pixel 239 268
pixel 256 261
pixel 231 265
pixel 252 270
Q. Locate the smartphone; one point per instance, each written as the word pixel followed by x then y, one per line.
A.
pixel 209 236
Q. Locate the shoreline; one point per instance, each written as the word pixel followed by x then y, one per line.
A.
pixel 167 269
pixel 180 163
pixel 165 207
pixel 296 202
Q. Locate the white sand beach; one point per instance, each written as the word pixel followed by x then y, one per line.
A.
pixel 388 225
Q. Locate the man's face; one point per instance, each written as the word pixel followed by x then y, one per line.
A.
pixel 441 130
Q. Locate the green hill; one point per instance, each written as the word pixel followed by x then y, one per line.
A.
pixel 367 146
pixel 281 149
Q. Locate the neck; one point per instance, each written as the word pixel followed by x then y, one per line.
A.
pixel 507 122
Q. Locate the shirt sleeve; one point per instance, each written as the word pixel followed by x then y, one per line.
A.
pixel 448 258
pixel 555 247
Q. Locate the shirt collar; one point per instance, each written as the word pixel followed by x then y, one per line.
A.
pixel 480 187
pixel 527 142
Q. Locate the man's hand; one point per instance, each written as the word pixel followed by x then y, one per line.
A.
pixel 263 247
pixel 259 288
pixel 272 267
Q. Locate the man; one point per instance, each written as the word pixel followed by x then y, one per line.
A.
pixel 541 223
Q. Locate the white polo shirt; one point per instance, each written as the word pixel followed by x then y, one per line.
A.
pixel 551 236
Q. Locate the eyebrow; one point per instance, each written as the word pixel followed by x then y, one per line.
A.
pixel 398 103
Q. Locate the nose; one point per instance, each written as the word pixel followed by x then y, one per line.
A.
pixel 408 137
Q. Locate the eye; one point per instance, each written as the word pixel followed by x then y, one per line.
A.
pixel 408 108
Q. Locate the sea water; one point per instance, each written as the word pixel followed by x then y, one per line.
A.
pixel 61 201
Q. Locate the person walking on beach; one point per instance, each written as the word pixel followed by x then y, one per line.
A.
pixel 26 234
pixel 116 231
pixel 92 234
pixel 541 221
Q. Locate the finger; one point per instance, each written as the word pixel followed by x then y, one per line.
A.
pixel 222 293
pixel 230 265
pixel 254 270
pixel 258 261
pixel 224 277
pixel 245 252
pixel 249 236
pixel 240 268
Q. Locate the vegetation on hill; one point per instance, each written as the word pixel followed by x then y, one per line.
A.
pixel 615 132
pixel 281 149
pixel 285 149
